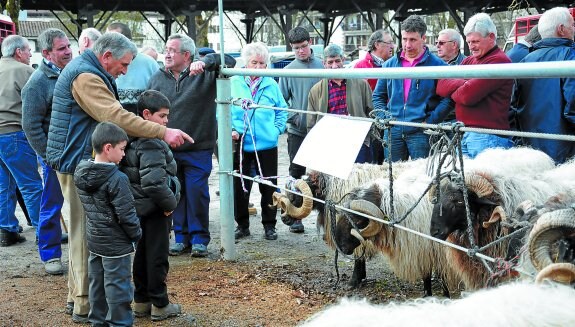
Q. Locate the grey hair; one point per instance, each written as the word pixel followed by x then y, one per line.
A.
pixel 452 35
pixel 46 39
pixel 11 43
pixel 551 19
pixel 186 43
pixel 375 37
pixel 256 48
pixel 480 23
pixel 333 50
pixel 414 23
pixel 116 43
pixel 148 48
pixel 91 33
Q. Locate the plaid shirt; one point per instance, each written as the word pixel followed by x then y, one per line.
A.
pixel 336 103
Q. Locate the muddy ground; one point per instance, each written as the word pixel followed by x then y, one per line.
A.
pixel 272 283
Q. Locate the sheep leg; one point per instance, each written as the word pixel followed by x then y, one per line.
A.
pixel 427 286
pixel 359 273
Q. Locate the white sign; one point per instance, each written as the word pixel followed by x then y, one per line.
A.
pixel 332 145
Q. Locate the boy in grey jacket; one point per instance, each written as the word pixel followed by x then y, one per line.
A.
pixel 112 227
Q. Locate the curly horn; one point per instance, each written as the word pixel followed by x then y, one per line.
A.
pixel 306 206
pixel 559 272
pixel 550 228
pixel 479 184
pixel 497 215
pixel 368 208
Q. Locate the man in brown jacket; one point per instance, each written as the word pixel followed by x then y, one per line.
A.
pixel 349 97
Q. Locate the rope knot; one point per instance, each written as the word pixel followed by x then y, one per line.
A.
pixel 472 252
pixel 246 103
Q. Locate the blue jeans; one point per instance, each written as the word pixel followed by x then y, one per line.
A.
pixel 191 218
pixel 18 166
pixel 474 143
pixel 406 146
pixel 49 228
pixel 111 291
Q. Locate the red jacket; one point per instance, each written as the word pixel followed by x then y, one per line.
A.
pixel 367 62
pixel 480 103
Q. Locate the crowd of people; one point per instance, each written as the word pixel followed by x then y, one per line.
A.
pixel 128 144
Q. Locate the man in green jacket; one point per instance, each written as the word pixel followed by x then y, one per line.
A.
pixel 349 97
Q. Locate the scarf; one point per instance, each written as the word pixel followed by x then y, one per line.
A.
pixel 254 84
pixel 377 60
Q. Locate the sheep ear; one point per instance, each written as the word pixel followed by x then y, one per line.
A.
pixel 497 215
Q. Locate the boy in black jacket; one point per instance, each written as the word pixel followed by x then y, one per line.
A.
pixel 151 169
pixel 112 227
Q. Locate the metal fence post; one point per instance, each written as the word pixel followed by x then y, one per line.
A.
pixel 226 165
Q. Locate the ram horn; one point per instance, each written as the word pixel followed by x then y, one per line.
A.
pixel 368 208
pixel 559 272
pixel 497 215
pixel 479 185
pixel 306 206
pixel 550 228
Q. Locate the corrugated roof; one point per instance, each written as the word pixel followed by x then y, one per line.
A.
pixel 31 29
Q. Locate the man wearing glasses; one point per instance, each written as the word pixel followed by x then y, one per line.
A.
pixel 295 91
pixel 191 88
pixel 379 48
pixel 448 45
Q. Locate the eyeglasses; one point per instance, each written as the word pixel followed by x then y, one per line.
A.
pixel 172 51
pixel 389 43
pixel 441 43
pixel 301 47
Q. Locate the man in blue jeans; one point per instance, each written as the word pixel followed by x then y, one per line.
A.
pixel 18 164
pixel 36 110
pixel 192 93
pixel 410 100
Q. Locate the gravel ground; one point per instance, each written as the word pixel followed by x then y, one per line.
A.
pixel 272 283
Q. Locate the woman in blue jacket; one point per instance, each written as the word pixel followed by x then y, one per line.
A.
pixel 256 132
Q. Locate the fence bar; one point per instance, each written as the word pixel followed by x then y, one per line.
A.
pixel 226 164
pixel 493 71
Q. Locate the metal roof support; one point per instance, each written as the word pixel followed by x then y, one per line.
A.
pixel 367 17
pixel 250 24
pixel 235 27
pixel 191 22
pixel 105 22
pixel 153 27
pixel 167 26
pixel 172 15
pixel 311 5
pixel 66 27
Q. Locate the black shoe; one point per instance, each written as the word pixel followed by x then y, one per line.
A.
pixel 296 227
pixel 64 238
pixel 242 232
pixel 20 229
pixel 271 234
pixel 10 238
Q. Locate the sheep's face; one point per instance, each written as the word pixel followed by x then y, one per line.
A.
pixel 343 237
pixel 449 214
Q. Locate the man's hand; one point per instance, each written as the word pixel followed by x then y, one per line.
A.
pixel 197 67
pixel 175 137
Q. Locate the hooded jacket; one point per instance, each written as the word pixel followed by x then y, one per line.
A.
pixel 112 226
pixel 266 125
pixel 422 105
pixel 151 169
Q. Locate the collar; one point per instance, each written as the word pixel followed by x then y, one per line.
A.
pixel 417 60
pixel 52 66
